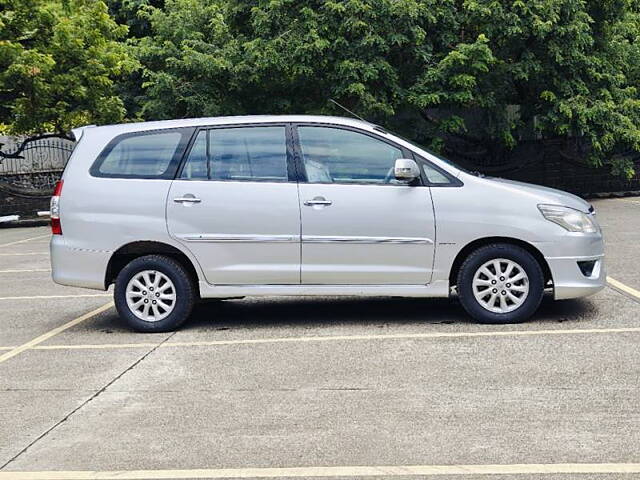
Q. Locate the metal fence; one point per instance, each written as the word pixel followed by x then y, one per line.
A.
pixel 40 166
pixel 545 163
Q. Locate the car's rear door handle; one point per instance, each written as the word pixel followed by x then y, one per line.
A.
pixel 318 201
pixel 186 199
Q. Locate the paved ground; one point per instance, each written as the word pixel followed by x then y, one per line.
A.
pixel 284 383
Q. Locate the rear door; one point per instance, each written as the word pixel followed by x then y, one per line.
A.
pixel 360 226
pixel 234 205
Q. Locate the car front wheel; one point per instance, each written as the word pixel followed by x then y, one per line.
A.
pixel 154 293
pixel 500 283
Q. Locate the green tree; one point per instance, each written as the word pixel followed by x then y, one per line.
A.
pixel 127 12
pixel 58 63
pixel 549 68
pixel 210 56
pixel 492 72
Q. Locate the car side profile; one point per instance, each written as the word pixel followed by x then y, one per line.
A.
pixel 172 212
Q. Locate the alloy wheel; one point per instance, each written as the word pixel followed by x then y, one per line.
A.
pixel 500 285
pixel 151 295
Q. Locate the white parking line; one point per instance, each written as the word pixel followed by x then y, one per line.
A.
pixel 343 338
pixel 24 240
pixel 51 333
pixel 47 297
pixel 330 472
pixel 22 254
pixel 625 288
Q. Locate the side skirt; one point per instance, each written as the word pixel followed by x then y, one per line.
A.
pixel 438 288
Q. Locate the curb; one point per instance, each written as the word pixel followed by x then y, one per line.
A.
pixel 29 222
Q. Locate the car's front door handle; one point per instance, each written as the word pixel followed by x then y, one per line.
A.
pixel 186 199
pixel 318 201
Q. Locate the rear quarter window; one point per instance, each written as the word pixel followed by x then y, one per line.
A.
pixel 154 154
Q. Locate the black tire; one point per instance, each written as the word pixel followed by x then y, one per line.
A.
pixel 185 293
pixel 510 252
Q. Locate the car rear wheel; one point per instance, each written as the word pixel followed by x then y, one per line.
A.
pixel 154 293
pixel 500 283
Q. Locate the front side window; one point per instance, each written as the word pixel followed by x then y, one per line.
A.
pixel 238 154
pixel 333 155
pixel 142 155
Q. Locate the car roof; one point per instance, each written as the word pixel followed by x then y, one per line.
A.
pixel 120 128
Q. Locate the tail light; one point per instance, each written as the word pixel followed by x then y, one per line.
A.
pixel 54 210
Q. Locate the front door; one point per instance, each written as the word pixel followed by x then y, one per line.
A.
pixel 360 226
pixel 234 207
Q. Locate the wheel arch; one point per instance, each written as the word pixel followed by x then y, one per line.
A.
pixel 130 251
pixel 481 242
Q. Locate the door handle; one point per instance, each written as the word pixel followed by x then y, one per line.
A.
pixel 186 199
pixel 318 201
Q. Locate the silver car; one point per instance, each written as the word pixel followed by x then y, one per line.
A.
pixel 176 211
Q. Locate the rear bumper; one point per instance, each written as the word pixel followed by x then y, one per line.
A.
pixel 77 267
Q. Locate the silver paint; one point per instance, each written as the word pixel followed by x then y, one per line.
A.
pixel 258 238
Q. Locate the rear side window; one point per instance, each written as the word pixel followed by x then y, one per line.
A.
pixel 153 154
pixel 238 154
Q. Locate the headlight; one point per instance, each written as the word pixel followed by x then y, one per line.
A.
pixel 569 218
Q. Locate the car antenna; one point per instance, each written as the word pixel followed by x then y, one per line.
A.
pixel 348 111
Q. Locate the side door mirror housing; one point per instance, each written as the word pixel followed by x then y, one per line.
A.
pixel 406 169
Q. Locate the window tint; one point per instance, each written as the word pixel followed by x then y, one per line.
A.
pixel 142 155
pixel 435 176
pixel 195 167
pixel 333 155
pixel 242 153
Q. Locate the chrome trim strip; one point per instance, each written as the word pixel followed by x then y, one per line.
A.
pixel 239 238
pixel 578 259
pixel 305 239
pixel 367 240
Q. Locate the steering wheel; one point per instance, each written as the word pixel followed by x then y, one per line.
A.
pixel 391 175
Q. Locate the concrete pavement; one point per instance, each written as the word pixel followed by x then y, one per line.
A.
pixel 281 383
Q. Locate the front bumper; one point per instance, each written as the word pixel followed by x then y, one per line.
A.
pixel 564 257
pixel 569 281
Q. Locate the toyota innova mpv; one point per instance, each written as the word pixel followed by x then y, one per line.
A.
pixel 172 212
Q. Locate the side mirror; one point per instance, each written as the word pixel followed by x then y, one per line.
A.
pixel 406 169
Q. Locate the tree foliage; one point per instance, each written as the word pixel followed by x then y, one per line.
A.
pixel 523 69
pixel 491 73
pixel 213 57
pixel 58 64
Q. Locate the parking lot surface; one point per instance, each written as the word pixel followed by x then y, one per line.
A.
pixel 333 387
